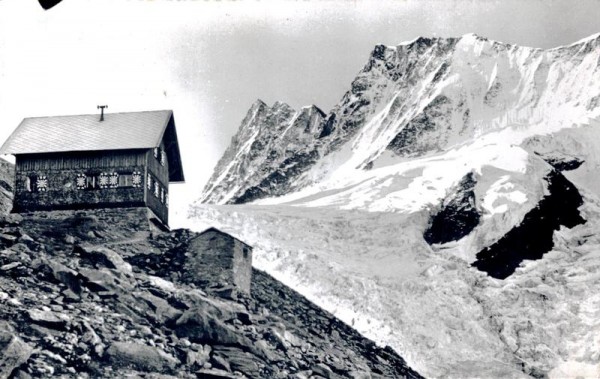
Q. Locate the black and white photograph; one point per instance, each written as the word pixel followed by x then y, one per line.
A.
pixel 304 189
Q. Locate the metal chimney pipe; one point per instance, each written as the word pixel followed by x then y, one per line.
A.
pixel 101 107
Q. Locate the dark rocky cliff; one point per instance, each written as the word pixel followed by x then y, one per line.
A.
pixel 533 237
pixel 458 215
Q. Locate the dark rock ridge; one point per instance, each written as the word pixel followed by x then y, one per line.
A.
pixel 561 162
pixel 410 140
pixel 533 237
pixel 458 215
pixel 276 159
pixel 278 181
pixel 273 145
pixel 87 294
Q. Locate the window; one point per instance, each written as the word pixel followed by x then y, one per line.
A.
pixel 125 180
pixel 113 180
pixel 156 189
pixel 109 180
pixel 149 182
pixel 81 181
pixel 42 183
pixel 136 179
pixel 103 180
pixel 86 181
pixel 160 155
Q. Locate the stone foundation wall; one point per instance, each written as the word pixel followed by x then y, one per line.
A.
pixel 103 225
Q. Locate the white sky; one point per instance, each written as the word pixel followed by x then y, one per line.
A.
pixel 209 60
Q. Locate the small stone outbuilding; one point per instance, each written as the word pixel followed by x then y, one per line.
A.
pixel 217 258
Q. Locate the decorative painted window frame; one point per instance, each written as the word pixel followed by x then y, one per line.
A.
pixel 156 190
pixel 42 183
pixel 103 181
pixel 113 180
pixel 136 179
pixel 81 181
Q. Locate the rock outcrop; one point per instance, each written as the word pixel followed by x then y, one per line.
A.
pixel 534 236
pixel 458 215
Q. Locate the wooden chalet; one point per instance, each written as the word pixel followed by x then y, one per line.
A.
pixel 93 161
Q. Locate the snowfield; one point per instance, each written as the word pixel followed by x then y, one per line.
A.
pixel 374 271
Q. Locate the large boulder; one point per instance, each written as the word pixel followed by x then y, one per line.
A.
pixel 13 351
pixel 104 280
pixel 103 257
pixel 239 360
pixel 48 319
pixel 204 324
pixel 139 357
pixel 160 309
pixel 59 272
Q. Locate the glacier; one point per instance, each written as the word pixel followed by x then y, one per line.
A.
pixel 374 271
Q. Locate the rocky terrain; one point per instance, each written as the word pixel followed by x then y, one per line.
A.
pixel 92 294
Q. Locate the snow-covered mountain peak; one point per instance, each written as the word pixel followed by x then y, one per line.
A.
pixel 258 103
pixel 281 105
pixel 417 99
pixel 312 109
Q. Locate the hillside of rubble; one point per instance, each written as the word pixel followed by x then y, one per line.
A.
pixel 92 294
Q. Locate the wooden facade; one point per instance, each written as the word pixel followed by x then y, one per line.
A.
pixel 109 178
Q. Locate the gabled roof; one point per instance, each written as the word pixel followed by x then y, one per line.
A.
pixel 118 131
pixel 213 229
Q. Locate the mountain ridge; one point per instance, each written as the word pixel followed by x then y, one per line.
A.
pixel 413 99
